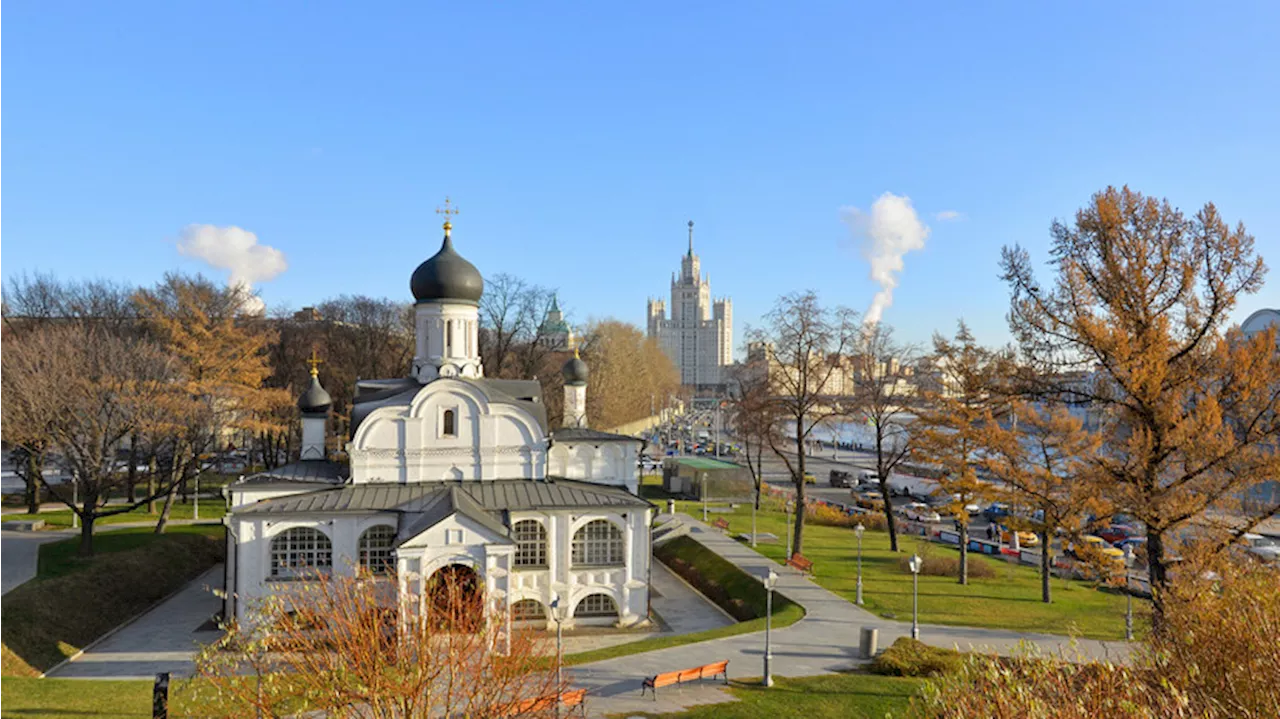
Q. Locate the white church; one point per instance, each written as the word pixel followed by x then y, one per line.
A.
pixel 450 471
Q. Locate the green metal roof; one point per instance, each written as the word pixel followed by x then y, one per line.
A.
pixel 704 463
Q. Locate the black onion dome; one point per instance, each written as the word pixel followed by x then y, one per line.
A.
pixel 574 371
pixel 315 399
pixel 446 276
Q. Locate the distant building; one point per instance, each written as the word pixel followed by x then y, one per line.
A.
pixel 698 336
pixel 554 333
pixel 1261 320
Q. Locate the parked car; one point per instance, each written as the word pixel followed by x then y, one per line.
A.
pixel 1094 545
pixel 868 476
pixel 809 478
pixel 1265 548
pixel 840 478
pixel 921 512
pixel 1139 545
pixel 869 499
pixel 1025 539
pixel 996 511
pixel 1117 533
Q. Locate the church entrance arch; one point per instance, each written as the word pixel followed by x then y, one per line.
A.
pixel 454 597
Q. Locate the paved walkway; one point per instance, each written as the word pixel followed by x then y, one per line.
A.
pixel 825 641
pixel 20 551
pixel 162 640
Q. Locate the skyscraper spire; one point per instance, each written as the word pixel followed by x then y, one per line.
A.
pixel 691 238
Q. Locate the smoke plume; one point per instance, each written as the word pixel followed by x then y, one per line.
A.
pixel 885 234
pixel 235 250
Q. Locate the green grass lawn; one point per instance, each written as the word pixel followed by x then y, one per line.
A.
pixel 211 509
pixel 726 574
pixel 59 558
pixel 73 601
pixel 1010 600
pixel 830 696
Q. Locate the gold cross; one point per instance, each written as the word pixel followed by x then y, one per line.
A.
pixel 315 363
pixel 573 343
pixel 448 210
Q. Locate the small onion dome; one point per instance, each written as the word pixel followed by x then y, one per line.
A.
pixel 446 276
pixel 574 371
pixel 315 400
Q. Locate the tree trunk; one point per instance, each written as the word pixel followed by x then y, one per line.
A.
pixel 132 482
pixel 89 507
pixel 1045 564
pixel 964 551
pixel 798 531
pixel 178 469
pixel 884 493
pixel 35 470
pixel 1157 576
pixel 151 485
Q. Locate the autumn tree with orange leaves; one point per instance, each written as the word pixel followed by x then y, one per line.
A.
pixel 221 356
pixel 1134 324
pixel 350 646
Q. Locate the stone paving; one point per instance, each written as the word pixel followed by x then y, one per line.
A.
pixel 824 641
pixel 164 639
pixel 19 554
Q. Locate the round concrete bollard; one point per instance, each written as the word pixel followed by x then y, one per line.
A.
pixel 671 506
pixel 870 636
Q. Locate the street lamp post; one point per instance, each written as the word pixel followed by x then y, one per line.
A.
pixel 557 614
pixel 858 530
pixel 915 563
pixel 770 581
pixel 1128 594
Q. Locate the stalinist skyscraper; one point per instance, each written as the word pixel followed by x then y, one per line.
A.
pixel 698 337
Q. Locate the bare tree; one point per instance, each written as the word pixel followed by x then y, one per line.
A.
pixel 805 348
pixel 1134 327
pixel 347 646
pixel 511 316
pixel 753 420
pixel 881 397
pixel 89 390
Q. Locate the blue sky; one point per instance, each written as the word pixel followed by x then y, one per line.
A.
pixel 578 139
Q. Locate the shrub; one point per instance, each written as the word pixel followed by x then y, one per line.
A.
pixel 942 565
pixel 828 516
pixel 909 657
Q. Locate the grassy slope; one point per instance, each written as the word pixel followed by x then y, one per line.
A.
pixel 830 696
pixel 61 519
pixel 739 584
pixel 72 601
pixel 1010 600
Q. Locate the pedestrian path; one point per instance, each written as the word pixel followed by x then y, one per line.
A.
pixel 824 641
pixel 164 639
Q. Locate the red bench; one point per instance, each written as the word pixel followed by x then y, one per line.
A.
pixel 721 524
pixel 666 679
pixel 799 561
pixel 569 699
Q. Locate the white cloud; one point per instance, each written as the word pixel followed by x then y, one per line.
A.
pixel 885 234
pixel 949 216
pixel 235 250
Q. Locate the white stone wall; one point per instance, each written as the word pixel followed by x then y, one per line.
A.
pixel 408 444
pixel 447 341
pixel 458 540
pixel 604 463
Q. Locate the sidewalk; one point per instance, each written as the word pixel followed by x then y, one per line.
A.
pixel 825 641
pixel 20 551
pixel 164 639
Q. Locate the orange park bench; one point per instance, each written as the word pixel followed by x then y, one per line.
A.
pixel 799 561
pixel 569 700
pixel 666 679
pixel 721 524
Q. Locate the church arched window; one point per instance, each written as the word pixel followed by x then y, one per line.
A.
pixel 596 605
pixel 598 543
pixel 300 552
pixel 375 549
pixel 528 610
pixel 531 543
pixel 449 424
